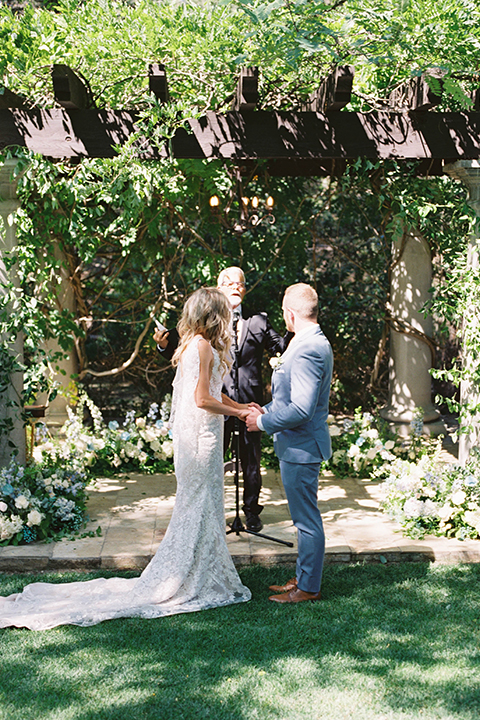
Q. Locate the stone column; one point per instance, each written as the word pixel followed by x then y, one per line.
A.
pixel 410 384
pixel 11 398
pixel 61 370
pixel 468 171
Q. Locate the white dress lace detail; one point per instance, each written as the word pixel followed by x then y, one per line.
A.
pixel 192 568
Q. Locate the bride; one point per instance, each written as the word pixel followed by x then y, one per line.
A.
pixel 192 568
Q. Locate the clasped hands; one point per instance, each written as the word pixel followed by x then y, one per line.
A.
pixel 250 414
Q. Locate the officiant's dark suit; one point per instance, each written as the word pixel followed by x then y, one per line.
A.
pixel 254 336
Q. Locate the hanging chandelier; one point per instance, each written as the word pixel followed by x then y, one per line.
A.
pixel 252 213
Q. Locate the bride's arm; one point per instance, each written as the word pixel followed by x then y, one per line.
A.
pixel 202 396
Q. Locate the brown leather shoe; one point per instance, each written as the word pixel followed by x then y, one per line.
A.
pixel 295 596
pixel 289 585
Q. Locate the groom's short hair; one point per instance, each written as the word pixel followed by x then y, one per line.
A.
pixel 303 299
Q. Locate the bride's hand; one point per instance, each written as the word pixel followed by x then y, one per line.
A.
pixel 242 413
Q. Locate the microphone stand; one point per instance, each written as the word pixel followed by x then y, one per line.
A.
pixel 237 526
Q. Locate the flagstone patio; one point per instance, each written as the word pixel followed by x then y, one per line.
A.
pixel 133 512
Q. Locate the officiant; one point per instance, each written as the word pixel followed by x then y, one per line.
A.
pixel 254 336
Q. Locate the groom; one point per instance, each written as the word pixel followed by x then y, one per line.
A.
pixel 297 418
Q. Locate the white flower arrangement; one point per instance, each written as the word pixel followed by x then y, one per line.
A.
pixel 41 502
pixel 140 443
pixel 364 446
pixel 431 497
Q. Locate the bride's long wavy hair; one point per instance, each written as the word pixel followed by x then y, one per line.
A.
pixel 208 313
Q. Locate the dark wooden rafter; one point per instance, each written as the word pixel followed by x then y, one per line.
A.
pixel 9 99
pixel 311 142
pixel 157 82
pixel 334 92
pixel 475 97
pixel 70 91
pixel 246 94
pixel 416 94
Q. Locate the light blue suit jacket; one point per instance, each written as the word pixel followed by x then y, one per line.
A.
pixel 297 415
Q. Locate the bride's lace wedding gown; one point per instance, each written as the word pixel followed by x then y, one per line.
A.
pixel 192 569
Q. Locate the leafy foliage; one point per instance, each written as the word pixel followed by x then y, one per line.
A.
pixel 135 237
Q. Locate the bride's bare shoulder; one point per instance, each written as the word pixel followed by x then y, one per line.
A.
pixel 204 347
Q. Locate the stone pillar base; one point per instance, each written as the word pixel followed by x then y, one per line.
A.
pixel 396 415
pixel 432 429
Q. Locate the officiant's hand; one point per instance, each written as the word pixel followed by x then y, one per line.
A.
pixel 161 338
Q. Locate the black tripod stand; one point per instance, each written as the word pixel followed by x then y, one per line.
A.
pixel 237 526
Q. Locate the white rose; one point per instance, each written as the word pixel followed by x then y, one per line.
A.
pixel 21 502
pixel 155 445
pixel 3 507
pixel 334 431
pixel 164 430
pixel 143 457
pixel 389 445
pixel 140 422
pixel 458 497
pixel 353 450
pixel 445 512
pixel 473 519
pixel 116 461
pixel 34 518
pixel 371 453
pixel 167 448
pixel 372 434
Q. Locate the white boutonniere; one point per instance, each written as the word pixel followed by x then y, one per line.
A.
pixel 276 361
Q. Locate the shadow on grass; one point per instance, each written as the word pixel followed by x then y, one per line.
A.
pixel 400 641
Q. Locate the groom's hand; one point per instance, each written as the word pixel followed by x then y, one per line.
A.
pixel 251 419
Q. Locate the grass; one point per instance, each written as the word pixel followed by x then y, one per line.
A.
pixel 387 642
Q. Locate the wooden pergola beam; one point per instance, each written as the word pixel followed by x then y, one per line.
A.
pixel 416 94
pixel 334 92
pixel 157 82
pixel 279 136
pixel 9 99
pixel 246 93
pixel 69 90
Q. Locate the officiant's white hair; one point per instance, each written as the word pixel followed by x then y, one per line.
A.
pixel 303 299
pixel 208 313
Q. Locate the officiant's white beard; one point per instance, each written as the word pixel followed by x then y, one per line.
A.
pixel 235 300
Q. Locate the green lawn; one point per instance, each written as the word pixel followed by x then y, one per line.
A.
pixel 399 641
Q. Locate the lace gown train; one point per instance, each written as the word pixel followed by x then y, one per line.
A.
pixel 192 568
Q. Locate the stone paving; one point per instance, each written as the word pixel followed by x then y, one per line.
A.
pixel 133 512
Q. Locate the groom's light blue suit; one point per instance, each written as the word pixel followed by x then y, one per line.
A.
pixel 297 418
